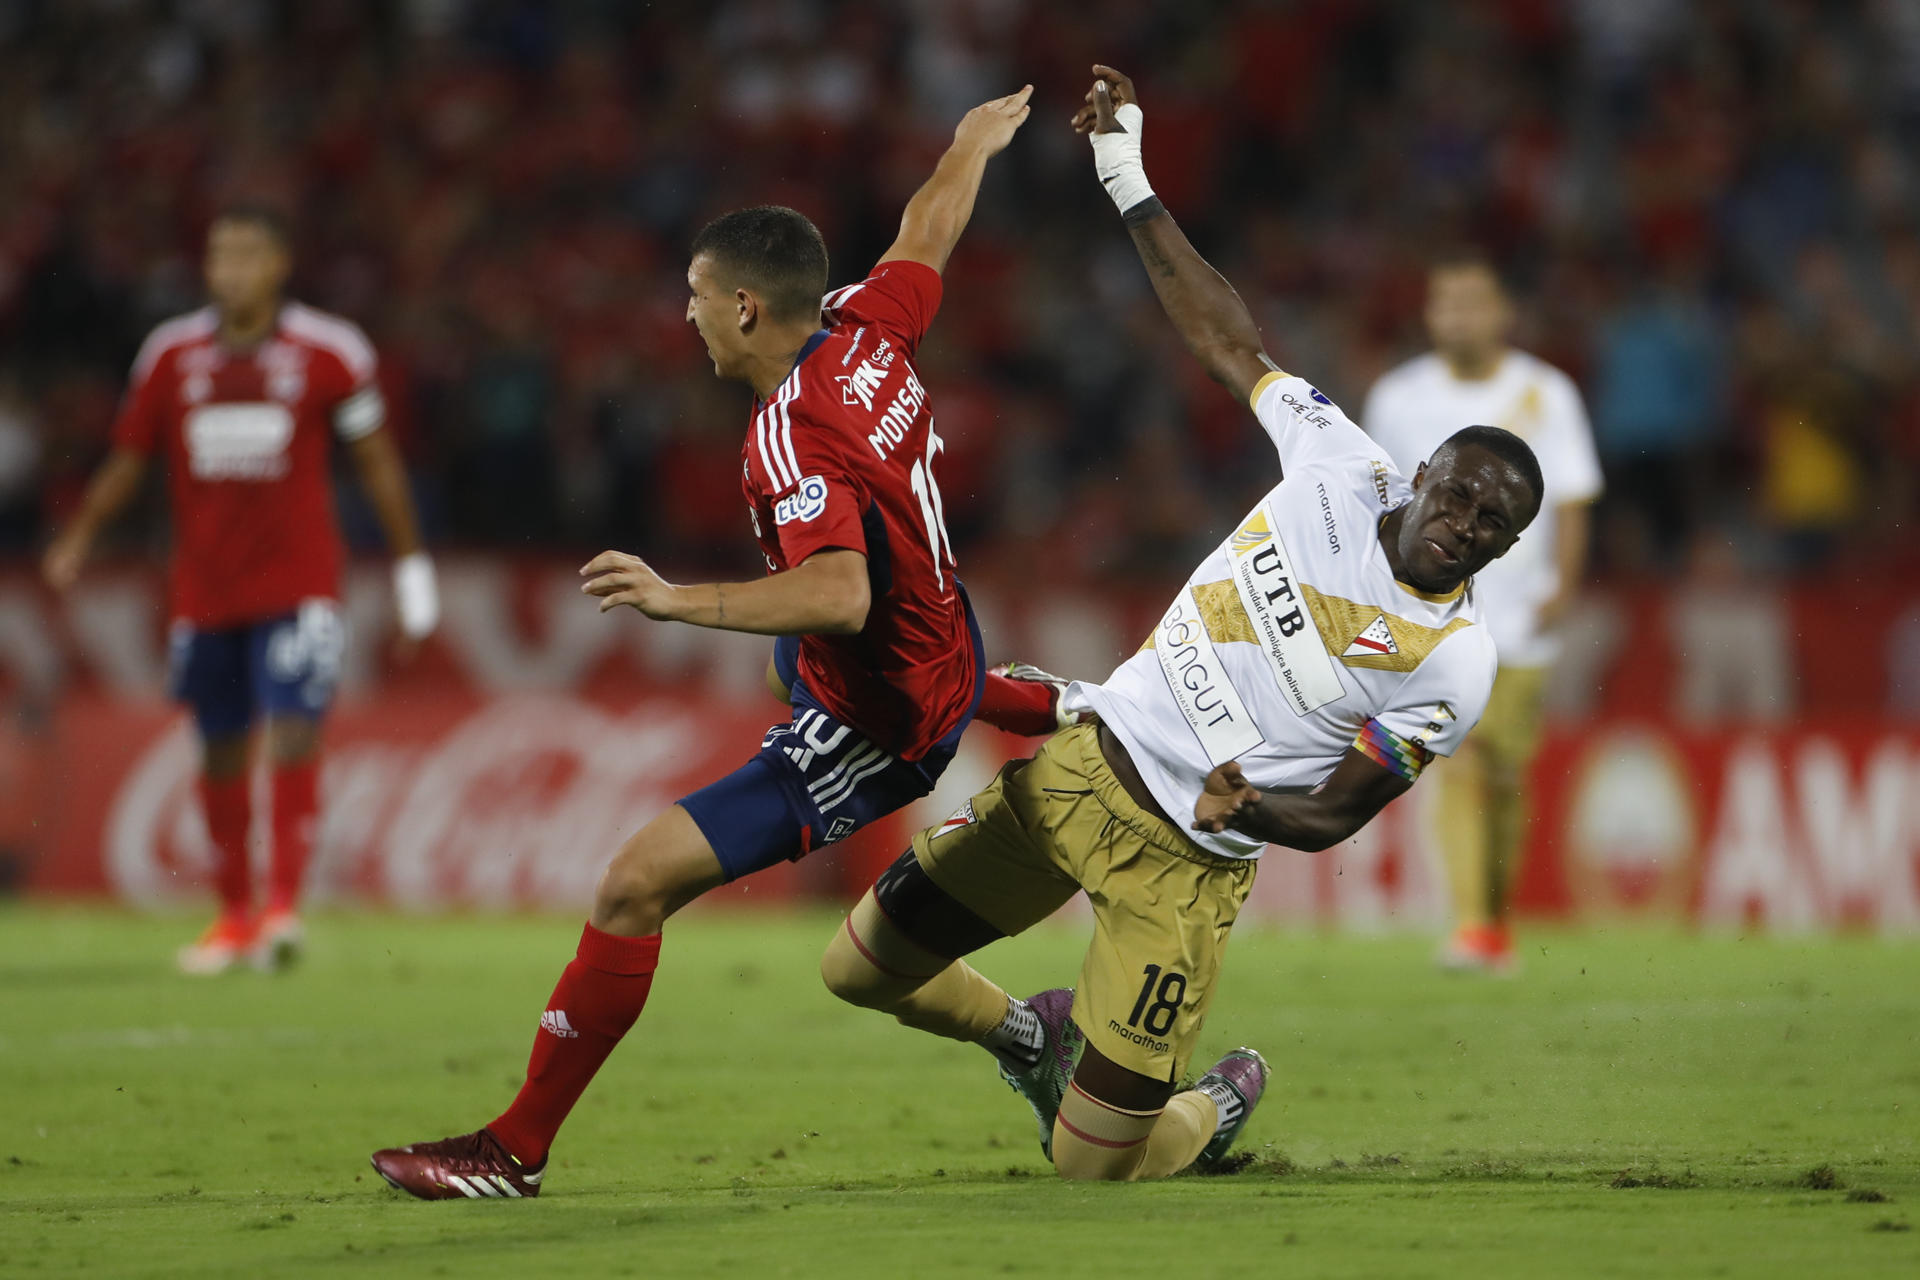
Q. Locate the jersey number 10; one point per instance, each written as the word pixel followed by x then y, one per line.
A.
pixel 931 510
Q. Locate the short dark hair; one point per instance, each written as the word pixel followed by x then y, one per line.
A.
pixel 1466 258
pixel 1507 447
pixel 256 213
pixel 774 251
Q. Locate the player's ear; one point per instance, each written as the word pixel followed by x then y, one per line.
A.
pixel 1419 475
pixel 748 308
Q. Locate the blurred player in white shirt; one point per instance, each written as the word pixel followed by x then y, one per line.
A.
pixel 1472 376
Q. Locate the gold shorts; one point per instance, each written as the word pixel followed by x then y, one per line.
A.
pixel 1049 827
pixel 1509 729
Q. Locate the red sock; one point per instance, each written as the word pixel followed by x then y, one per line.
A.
pixel 596 1000
pixel 296 804
pixel 1018 706
pixel 228 805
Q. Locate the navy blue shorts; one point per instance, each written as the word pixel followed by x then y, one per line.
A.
pixel 288 665
pixel 815 780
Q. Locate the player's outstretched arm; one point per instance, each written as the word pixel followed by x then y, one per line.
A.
pixel 938 212
pixel 1210 316
pixel 111 489
pixel 1357 789
pixel 825 594
pixel 384 478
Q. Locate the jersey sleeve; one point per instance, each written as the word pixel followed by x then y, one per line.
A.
pixel 361 410
pixel 136 428
pixel 1305 425
pixel 1571 468
pixel 818 504
pixel 900 299
pixel 1435 707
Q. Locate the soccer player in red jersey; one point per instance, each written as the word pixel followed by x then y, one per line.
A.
pixel 240 398
pixel 879 654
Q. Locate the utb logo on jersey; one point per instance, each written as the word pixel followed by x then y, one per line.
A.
pixel 1251 534
pixel 1375 641
pixel 805 503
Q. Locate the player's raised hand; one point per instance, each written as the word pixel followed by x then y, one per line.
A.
pixel 61 565
pixel 1111 91
pixel 991 125
pixel 618 578
pixel 1227 794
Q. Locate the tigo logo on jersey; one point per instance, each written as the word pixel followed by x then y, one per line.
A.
pixel 804 503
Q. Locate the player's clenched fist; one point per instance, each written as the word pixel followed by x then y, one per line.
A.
pixel 1226 795
pixel 618 578
pixel 991 125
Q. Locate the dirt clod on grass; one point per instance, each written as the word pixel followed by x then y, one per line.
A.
pixel 1866 1195
pixel 1820 1178
pixel 1627 1179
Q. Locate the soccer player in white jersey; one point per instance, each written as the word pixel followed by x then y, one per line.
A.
pixel 1303 677
pixel 1473 375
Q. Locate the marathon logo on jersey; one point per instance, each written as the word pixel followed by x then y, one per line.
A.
pixel 239 441
pixel 1199 684
pixel 1269 591
pixel 804 504
pixel 899 417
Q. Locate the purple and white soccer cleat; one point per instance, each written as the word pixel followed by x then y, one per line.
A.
pixel 1235 1084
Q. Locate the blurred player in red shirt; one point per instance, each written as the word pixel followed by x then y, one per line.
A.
pixel 241 400
pixel 878 651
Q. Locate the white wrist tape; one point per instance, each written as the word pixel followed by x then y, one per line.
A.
pixel 416 594
pixel 1116 159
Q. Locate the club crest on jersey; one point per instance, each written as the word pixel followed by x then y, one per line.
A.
pixel 962 817
pixel 1375 641
pixel 1269 590
pixel 805 503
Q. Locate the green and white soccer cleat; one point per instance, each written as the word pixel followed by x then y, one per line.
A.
pixel 1045 1083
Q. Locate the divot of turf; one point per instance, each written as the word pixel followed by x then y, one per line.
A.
pixel 1888 1224
pixel 1820 1178
pixel 1866 1195
pixel 1627 1179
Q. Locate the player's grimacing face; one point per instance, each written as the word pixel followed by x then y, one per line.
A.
pixel 1468 509
pixel 246 265
pixel 1467 310
pixel 714 310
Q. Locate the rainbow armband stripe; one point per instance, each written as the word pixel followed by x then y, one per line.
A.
pixel 1391 751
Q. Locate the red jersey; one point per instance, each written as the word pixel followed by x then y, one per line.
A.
pixel 844 455
pixel 245 436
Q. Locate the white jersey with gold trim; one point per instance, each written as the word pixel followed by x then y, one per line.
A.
pixel 1293 642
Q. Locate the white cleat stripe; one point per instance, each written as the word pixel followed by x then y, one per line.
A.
pixel 461 1185
pixel 512 1192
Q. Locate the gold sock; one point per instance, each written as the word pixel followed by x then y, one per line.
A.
pixel 956 1002
pixel 1460 814
pixel 1184 1128
pixel 1093 1141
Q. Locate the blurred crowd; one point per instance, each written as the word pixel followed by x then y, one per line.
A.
pixel 1708 211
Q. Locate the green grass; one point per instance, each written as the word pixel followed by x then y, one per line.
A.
pixel 1761 1092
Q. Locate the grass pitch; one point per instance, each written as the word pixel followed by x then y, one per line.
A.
pixel 1635 1104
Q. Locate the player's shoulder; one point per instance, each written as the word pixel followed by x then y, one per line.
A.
pixel 1543 373
pixel 335 335
pixel 171 335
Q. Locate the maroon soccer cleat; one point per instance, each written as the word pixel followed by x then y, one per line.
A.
pixel 473 1166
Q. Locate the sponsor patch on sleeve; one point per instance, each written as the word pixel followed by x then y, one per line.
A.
pixel 805 503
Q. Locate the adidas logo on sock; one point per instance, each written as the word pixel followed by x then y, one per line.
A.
pixel 555 1021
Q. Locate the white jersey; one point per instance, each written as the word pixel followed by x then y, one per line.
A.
pixel 1415 407
pixel 1293 642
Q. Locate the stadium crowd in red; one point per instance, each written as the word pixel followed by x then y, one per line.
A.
pixel 1707 209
